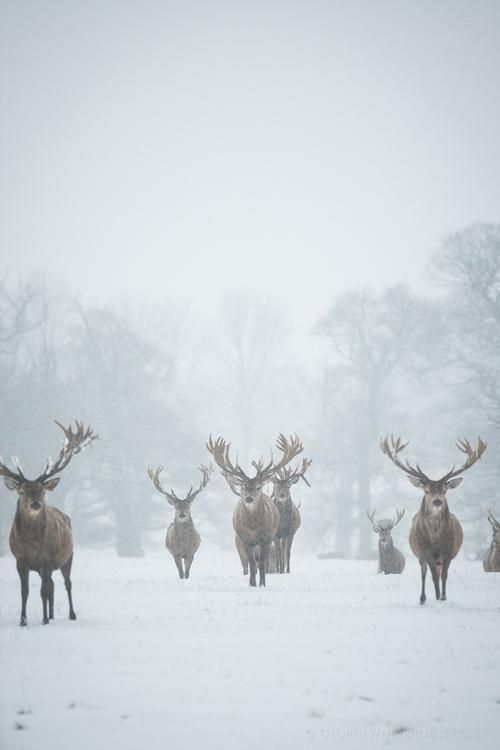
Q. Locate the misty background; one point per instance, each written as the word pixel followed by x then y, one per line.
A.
pixel 244 219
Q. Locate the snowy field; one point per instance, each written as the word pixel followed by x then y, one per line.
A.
pixel 331 656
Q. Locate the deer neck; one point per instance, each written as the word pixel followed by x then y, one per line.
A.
pixel 184 523
pixel 31 526
pixel 389 546
pixel 436 521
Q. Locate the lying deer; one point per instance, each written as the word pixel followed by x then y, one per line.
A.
pixel 436 534
pixel 289 512
pixel 390 559
pixel 255 518
pixel 491 562
pixel 182 539
pixel 40 537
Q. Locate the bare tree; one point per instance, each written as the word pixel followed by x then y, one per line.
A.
pixel 251 346
pixel 373 338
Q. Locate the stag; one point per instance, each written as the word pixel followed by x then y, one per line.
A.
pixel 289 512
pixel 491 562
pixel 182 539
pixel 436 534
pixel 255 518
pixel 40 537
pixel 390 559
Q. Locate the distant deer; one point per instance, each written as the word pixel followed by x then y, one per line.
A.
pixel 289 512
pixel 390 559
pixel 491 562
pixel 436 534
pixel 40 537
pixel 182 539
pixel 255 518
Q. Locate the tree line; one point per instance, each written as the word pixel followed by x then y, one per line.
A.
pixel 154 381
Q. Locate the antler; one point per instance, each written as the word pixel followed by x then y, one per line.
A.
pixel 17 476
pixel 290 448
pixel 493 520
pixel 388 526
pixel 154 475
pixel 73 443
pixel 291 475
pixel 206 471
pixel 472 454
pixel 220 452
pixel 392 451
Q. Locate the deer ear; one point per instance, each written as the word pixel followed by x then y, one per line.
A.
pixel 11 484
pixel 453 483
pixel 416 482
pixel 51 484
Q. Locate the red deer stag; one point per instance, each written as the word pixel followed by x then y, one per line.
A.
pixel 255 518
pixel 436 534
pixel 491 562
pixel 182 539
pixel 289 512
pixel 390 558
pixel 40 537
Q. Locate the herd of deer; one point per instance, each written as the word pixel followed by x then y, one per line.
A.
pixel 265 525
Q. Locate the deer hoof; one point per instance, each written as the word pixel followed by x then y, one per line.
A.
pixel 45 621
pixel 422 600
pixel 443 598
pixel 72 616
pixel 23 623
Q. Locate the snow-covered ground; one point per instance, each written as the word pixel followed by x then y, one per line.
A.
pixel 331 656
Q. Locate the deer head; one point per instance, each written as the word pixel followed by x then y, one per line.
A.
pixel 31 492
pixel 249 489
pixel 435 502
pixel 284 478
pixel 182 505
pixel 384 527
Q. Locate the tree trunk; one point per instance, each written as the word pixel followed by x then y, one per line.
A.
pixel 343 515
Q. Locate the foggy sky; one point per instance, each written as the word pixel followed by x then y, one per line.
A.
pixel 299 148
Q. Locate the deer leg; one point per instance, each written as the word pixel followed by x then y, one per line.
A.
pixel 66 571
pixel 51 599
pixel 45 594
pixel 263 561
pixel 435 570
pixel 444 576
pixel 253 565
pixel 289 541
pixel 187 565
pixel 24 575
pixel 423 569
pixel 277 552
pixel 178 562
